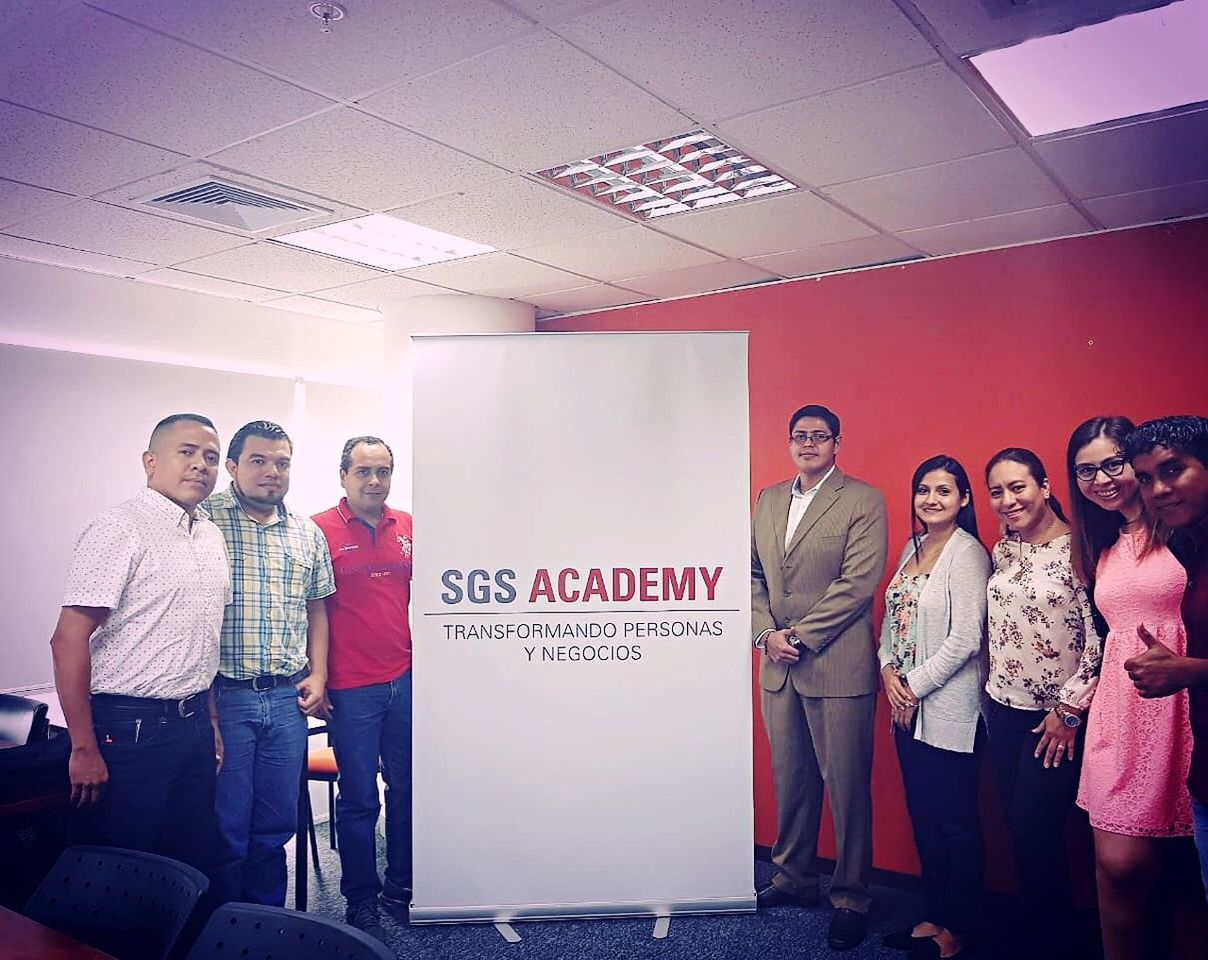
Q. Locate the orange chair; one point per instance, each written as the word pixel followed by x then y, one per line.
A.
pixel 320 766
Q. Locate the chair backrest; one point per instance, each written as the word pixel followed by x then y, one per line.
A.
pixel 125 902
pixel 22 720
pixel 252 932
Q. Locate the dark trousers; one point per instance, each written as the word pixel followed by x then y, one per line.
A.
pixel 1037 802
pixel 941 794
pixel 160 794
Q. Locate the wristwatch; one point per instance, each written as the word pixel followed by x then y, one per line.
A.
pixel 1071 718
pixel 795 641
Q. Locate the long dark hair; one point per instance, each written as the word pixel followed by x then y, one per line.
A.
pixel 1096 529
pixel 966 519
pixel 1035 467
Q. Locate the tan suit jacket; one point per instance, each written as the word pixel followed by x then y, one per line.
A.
pixel 822 586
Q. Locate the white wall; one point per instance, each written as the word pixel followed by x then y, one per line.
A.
pixel 97 361
pixel 63 309
pixel 89 363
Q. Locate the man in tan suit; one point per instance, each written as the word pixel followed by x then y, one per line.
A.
pixel 817 555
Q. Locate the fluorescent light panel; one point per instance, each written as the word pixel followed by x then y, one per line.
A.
pixel 1135 64
pixel 674 175
pixel 387 243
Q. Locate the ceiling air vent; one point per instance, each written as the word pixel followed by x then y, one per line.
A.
pixel 231 205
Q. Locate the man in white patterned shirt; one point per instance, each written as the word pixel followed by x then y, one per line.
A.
pixel 136 650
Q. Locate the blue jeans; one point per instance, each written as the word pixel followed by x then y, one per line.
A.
pixel 1199 814
pixel 264 735
pixel 368 723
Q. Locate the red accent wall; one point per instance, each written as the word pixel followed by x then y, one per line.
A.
pixel 963 355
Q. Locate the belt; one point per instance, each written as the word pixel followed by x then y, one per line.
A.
pixel 261 684
pixel 151 707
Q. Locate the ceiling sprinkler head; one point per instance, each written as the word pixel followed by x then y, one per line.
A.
pixel 329 13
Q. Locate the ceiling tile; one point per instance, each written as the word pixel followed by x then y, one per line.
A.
pixel 974 27
pixel 379 42
pixel 357 159
pixel 530 104
pixel 846 255
pixel 1134 156
pixel 496 275
pixel 382 293
pixel 629 252
pixel 511 213
pixel 19 200
pixel 22 249
pixel 551 11
pixel 325 308
pixel 595 297
pixel 60 155
pixel 1151 206
pixel 168 277
pixel 128 80
pixel 921 116
pixel 703 279
pixel 1026 226
pixel 268 264
pixel 786 221
pixel 717 58
pixel 942 193
pixel 101 228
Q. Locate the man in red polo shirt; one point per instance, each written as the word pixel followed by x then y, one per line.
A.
pixel 369 679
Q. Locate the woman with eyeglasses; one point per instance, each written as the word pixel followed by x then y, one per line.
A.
pixel 1044 663
pixel 933 667
pixel 1137 751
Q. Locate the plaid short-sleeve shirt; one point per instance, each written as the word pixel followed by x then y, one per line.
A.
pixel 276 567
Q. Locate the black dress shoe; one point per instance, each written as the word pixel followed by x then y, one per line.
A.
pixel 773 896
pixel 847 929
pixel 903 939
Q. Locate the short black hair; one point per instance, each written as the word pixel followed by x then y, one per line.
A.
pixel 176 418
pixel 819 411
pixel 257 428
pixel 1185 433
pixel 346 456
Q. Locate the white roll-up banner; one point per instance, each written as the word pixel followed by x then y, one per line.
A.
pixel 581 625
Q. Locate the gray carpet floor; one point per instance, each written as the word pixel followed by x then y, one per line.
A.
pixel 782 934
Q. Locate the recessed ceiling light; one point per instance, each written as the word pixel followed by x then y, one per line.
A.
pixel 1135 64
pixel 387 243
pixel 674 175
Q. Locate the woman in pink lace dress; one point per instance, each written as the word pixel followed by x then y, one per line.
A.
pixel 1137 751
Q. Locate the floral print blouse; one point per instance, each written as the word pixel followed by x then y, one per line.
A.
pixel 902 608
pixel 1043 644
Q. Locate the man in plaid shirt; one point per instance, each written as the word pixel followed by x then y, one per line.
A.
pixel 272 670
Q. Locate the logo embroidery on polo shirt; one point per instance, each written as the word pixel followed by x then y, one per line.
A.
pixel 404 545
pixel 349 546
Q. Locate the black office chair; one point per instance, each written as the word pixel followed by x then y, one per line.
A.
pixel 22 721
pixel 252 932
pixel 127 903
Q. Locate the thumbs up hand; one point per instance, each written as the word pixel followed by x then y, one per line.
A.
pixel 1158 672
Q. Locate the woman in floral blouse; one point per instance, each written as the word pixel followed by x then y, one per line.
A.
pixel 1044 661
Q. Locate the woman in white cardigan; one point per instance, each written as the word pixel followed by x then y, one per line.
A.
pixel 933 665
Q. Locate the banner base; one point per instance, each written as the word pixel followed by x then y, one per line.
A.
pixel 579 911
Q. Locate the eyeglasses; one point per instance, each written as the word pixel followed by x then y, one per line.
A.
pixel 1111 467
pixel 817 437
